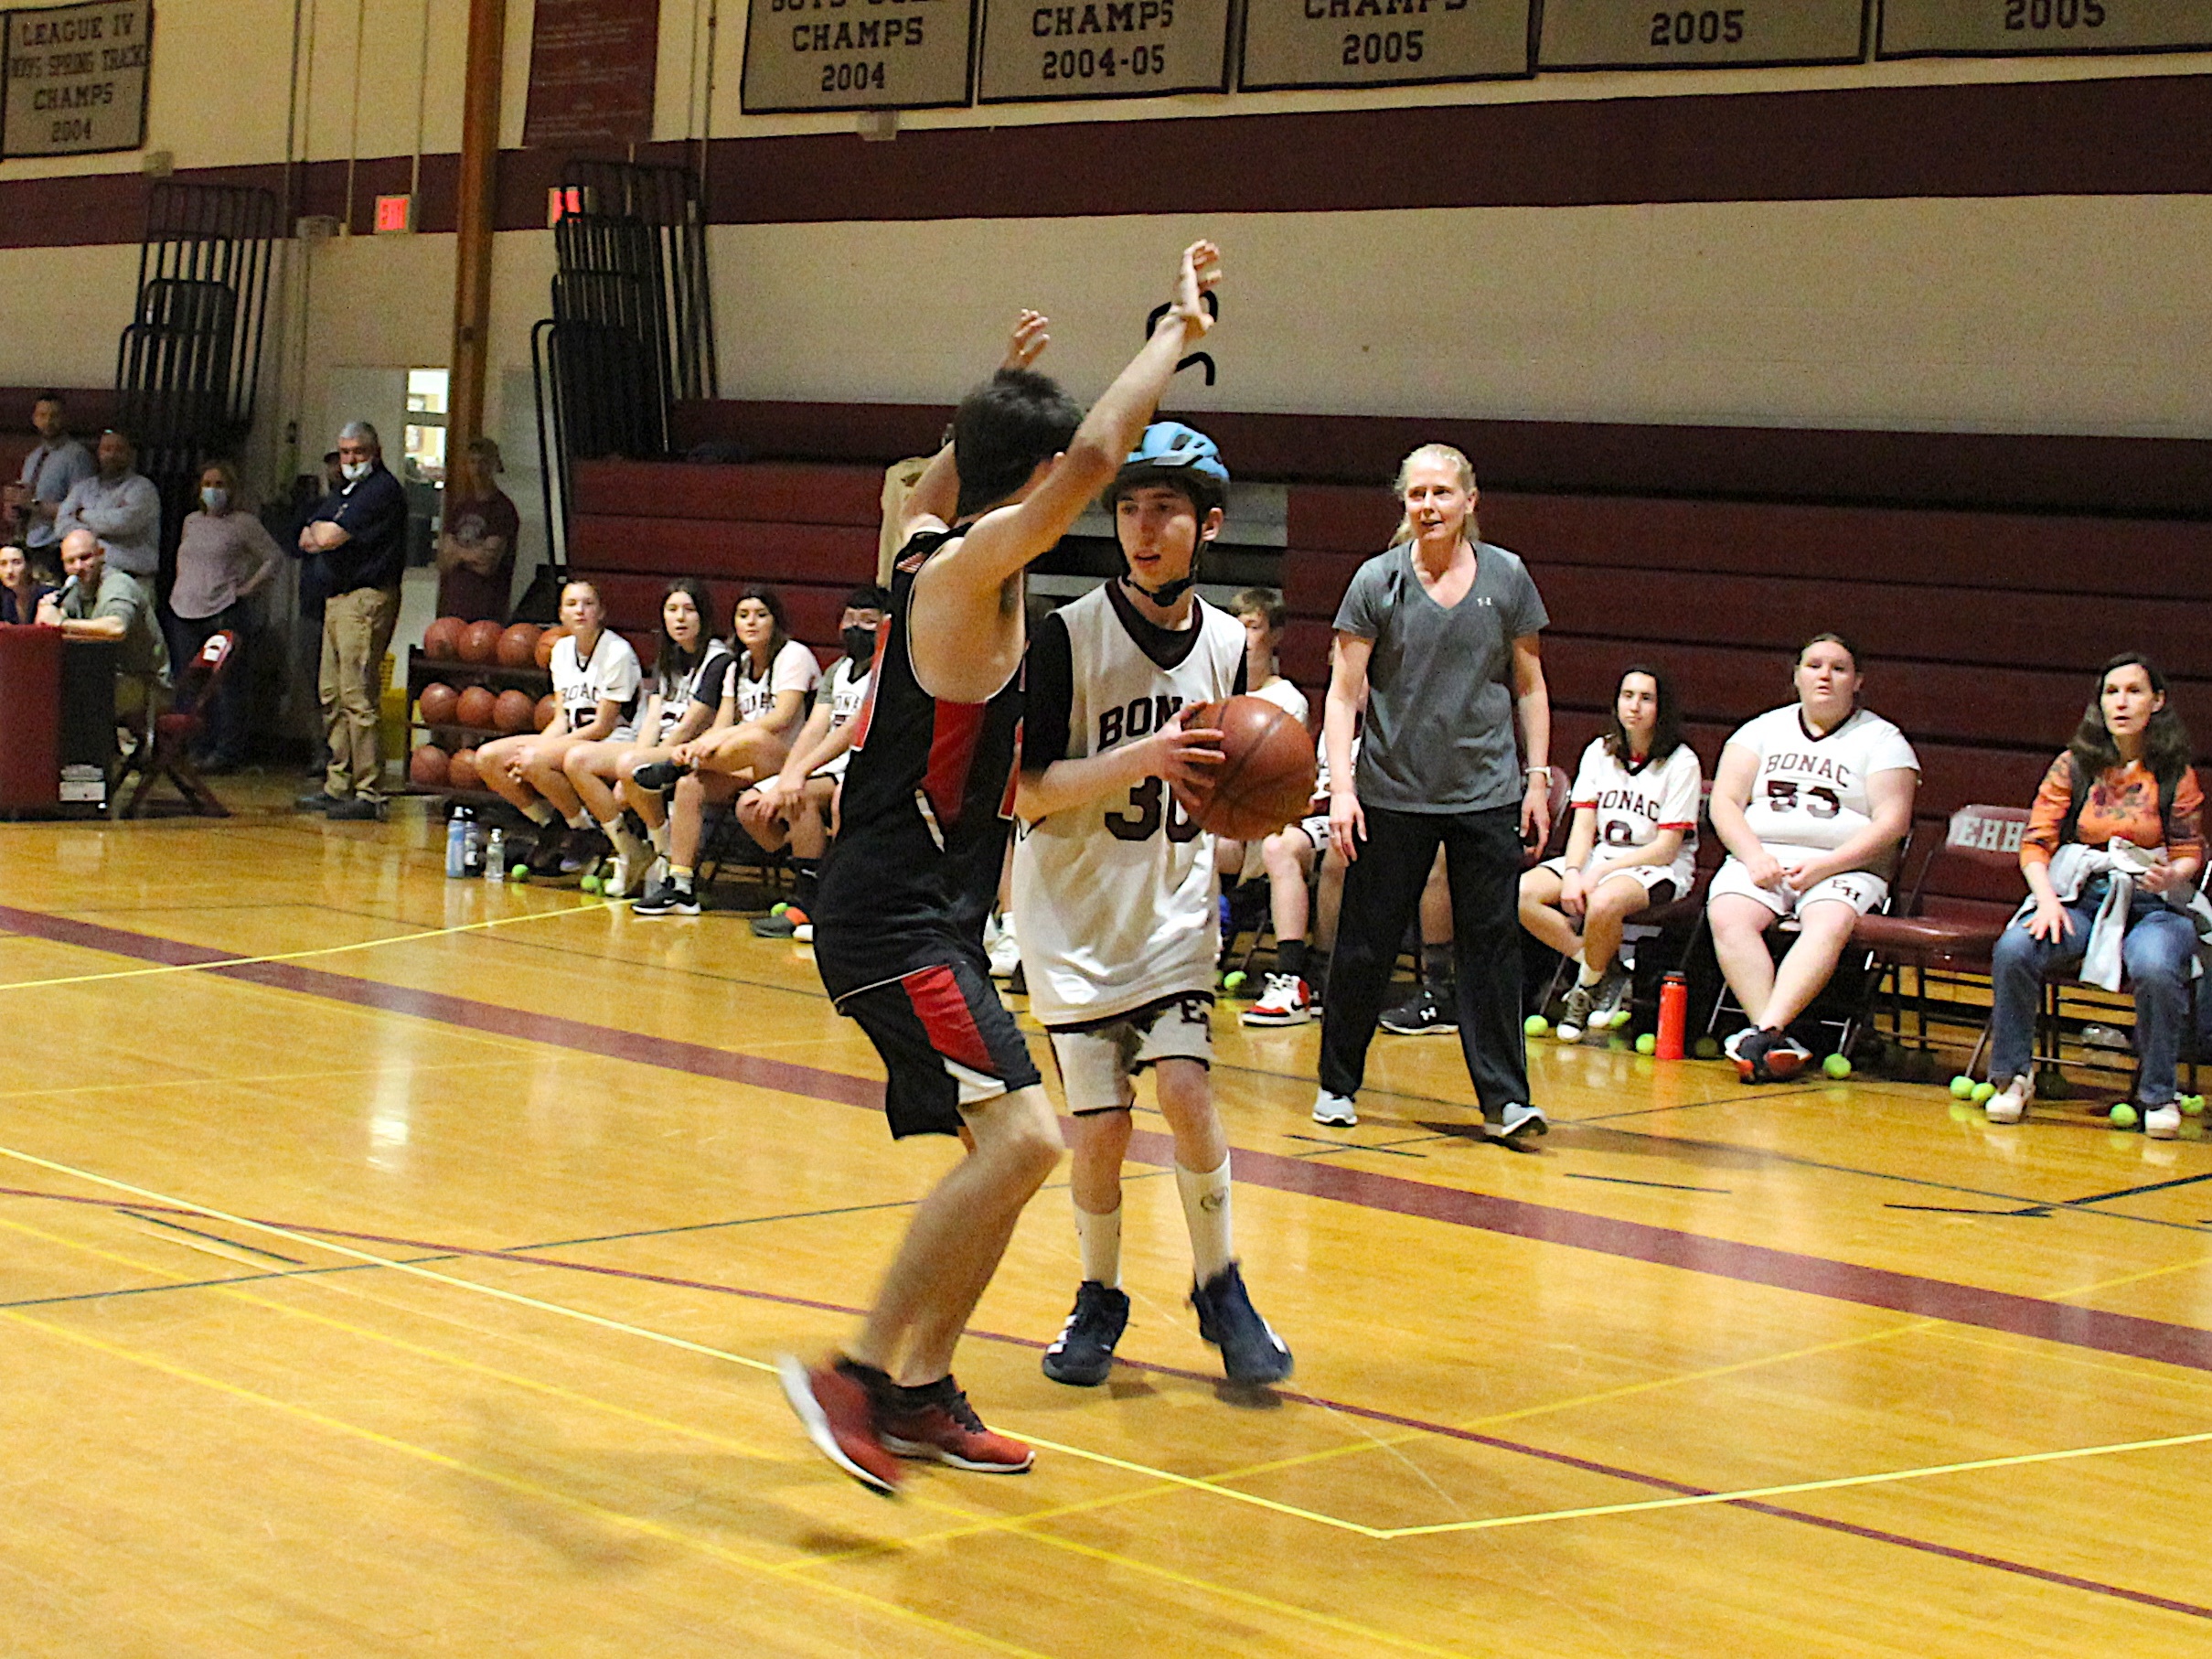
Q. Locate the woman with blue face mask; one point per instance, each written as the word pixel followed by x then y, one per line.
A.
pixel 224 557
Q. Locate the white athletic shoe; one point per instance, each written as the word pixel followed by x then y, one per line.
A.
pixel 1335 1110
pixel 2009 1104
pixel 803 933
pixel 622 876
pixel 1005 951
pixel 2161 1122
pixel 1285 1001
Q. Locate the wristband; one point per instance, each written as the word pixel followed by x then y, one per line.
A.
pixel 1532 771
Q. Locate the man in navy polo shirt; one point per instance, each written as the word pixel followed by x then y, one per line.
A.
pixel 358 536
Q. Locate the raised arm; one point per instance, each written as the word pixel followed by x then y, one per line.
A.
pixel 937 493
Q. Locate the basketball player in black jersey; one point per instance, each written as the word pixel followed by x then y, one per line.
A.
pixel 899 926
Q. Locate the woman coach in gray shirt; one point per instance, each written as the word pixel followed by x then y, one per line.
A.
pixel 1437 635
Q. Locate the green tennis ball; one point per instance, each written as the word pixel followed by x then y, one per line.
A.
pixel 1837 1066
pixel 1708 1048
pixel 778 908
pixel 1235 980
pixel 2193 1106
pixel 518 873
pixel 1536 1025
pixel 1962 1086
pixel 2124 1117
pixel 1981 1092
pixel 1647 1045
pixel 588 884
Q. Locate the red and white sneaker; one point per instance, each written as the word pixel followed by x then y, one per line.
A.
pixel 938 1423
pixel 1287 1001
pixel 838 1409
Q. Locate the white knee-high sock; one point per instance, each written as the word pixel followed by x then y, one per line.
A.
pixel 1205 1207
pixel 1099 1238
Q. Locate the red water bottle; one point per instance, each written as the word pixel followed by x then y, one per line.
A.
pixel 1673 1016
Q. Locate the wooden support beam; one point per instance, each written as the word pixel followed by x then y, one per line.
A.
pixel 478 194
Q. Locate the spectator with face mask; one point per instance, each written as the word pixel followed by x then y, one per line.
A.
pixel 223 558
pixel 120 505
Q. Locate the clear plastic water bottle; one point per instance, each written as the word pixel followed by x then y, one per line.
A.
pixel 457 843
pixel 494 857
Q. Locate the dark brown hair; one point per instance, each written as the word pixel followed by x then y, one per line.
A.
pixel 1666 730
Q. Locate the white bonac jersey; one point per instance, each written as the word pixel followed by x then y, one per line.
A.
pixel 611 673
pixel 675 699
pixel 793 668
pixel 1288 698
pixel 1634 804
pixel 1114 900
pixel 848 691
pixel 1811 791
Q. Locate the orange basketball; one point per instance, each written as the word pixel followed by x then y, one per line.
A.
pixel 546 641
pixel 427 767
pixel 519 645
pixel 460 771
pixel 480 642
pixel 548 707
pixel 1267 773
pixel 514 711
pixel 436 703
pixel 476 707
pixel 441 638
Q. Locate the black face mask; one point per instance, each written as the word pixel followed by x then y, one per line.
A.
pixel 859 644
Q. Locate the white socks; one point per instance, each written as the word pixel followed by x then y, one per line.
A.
pixel 659 833
pixel 540 814
pixel 628 845
pixel 580 819
pixel 1099 1238
pixel 1205 1207
pixel 1590 976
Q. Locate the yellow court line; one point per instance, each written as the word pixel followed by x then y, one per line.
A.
pixel 1435 1529
pixel 177 1084
pixel 1834 1484
pixel 652 1529
pixel 626 1329
pixel 288 956
pixel 975 1523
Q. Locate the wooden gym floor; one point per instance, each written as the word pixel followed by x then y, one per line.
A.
pixel 391 1266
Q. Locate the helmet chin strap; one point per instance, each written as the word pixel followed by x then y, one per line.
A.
pixel 1167 593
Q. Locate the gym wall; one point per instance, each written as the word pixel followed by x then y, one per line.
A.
pixel 1760 247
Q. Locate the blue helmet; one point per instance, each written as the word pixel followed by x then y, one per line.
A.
pixel 1171 452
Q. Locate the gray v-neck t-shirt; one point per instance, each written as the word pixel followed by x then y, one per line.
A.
pixel 1440 732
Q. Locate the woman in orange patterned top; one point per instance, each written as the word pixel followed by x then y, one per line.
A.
pixel 2111 854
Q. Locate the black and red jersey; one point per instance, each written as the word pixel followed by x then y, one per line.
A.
pixel 929 792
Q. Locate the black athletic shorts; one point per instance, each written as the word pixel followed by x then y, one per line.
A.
pixel 927 1004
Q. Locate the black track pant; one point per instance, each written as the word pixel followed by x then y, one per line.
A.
pixel 1382 892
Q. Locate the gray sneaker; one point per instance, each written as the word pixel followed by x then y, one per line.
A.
pixel 1517 1122
pixel 1336 1111
pixel 1574 1012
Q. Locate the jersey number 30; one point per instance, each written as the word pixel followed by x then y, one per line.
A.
pixel 1151 806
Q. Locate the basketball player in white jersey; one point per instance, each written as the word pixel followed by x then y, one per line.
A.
pixel 1113 890
pixel 1632 844
pixel 1811 800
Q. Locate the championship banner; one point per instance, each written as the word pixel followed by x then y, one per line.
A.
pixel 2006 28
pixel 76 82
pixel 1039 49
pixel 1344 43
pixel 856 55
pixel 1646 35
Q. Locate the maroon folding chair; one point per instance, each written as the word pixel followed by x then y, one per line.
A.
pixel 1966 892
pixel 176 734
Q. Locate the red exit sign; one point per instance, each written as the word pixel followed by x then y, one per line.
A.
pixel 395 213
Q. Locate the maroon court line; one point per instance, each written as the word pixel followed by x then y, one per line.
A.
pixel 2095 1328
pixel 1366 1413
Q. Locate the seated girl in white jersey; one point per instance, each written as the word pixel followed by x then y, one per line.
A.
pixel 1299 978
pixel 595 679
pixel 763 703
pixel 688 672
pixel 1263 613
pixel 1113 890
pixel 797 806
pixel 1632 845
pixel 1811 800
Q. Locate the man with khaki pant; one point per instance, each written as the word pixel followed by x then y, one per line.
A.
pixel 359 533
